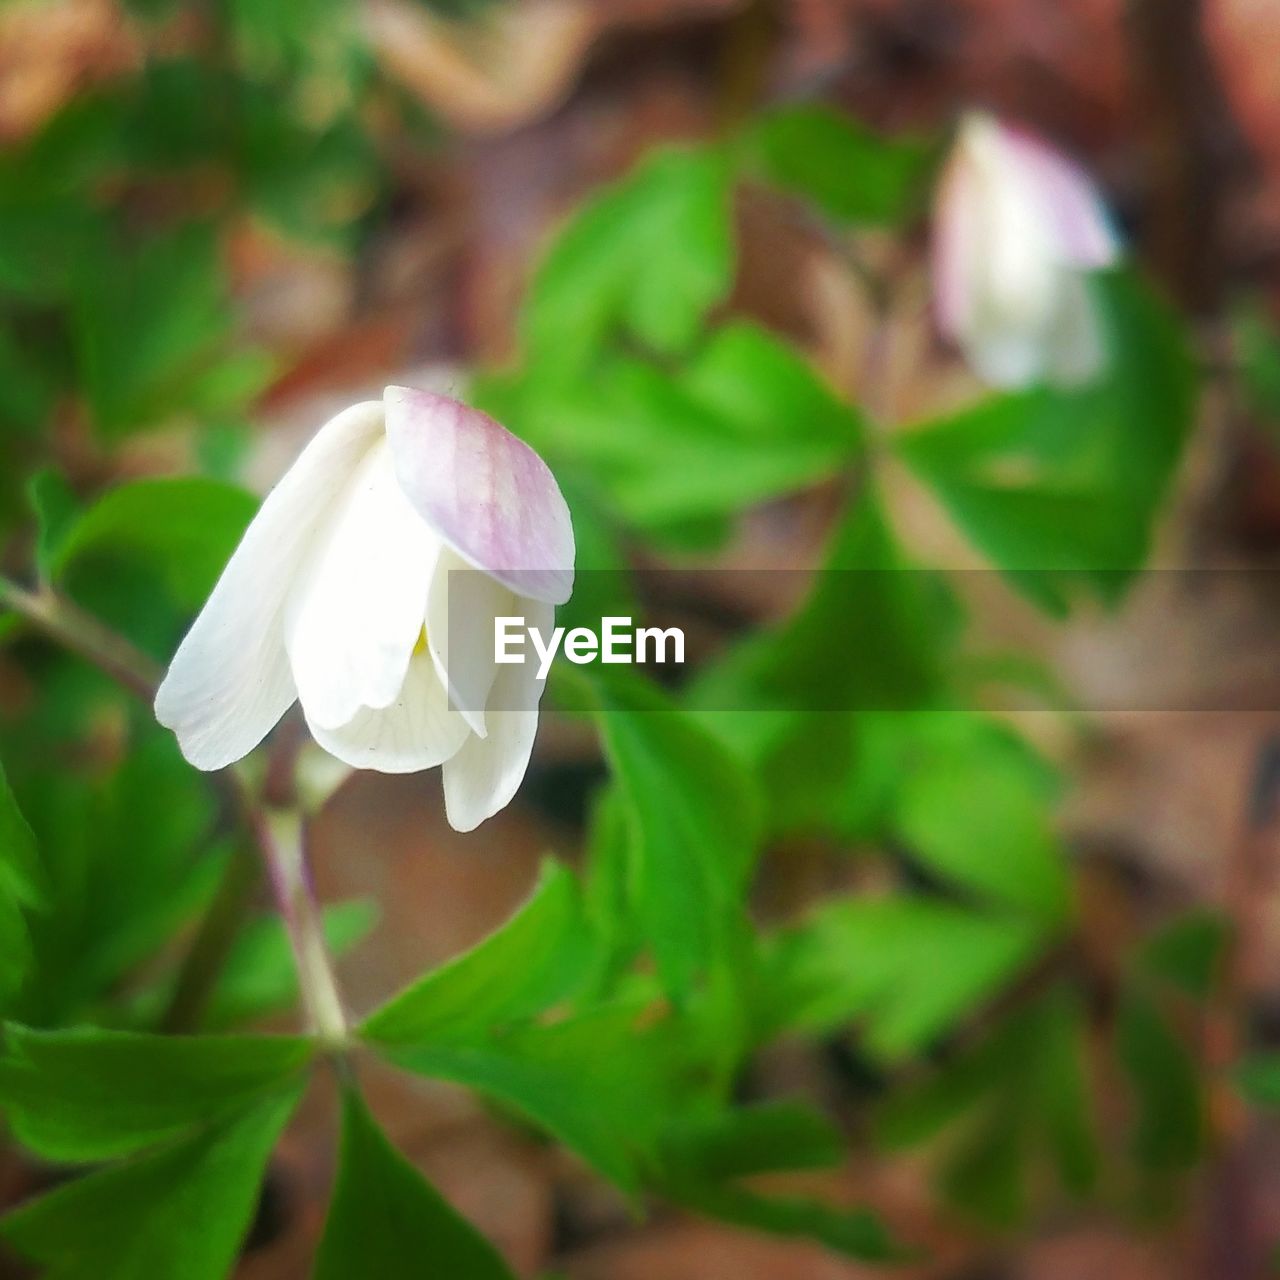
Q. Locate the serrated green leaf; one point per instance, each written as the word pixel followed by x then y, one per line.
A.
pixel 855 1233
pixel 87 1094
pixel 904 970
pixel 647 257
pixel 764 1138
pixel 1189 952
pixel 597 1081
pixel 1061 489
pixel 180 1212
pixel 56 511
pixel 535 959
pixel 150 325
pixel 974 808
pixel 385 1220
pixel 852 174
pixel 1169 1125
pixel 21 889
pixel 1258 1078
pixel 694 826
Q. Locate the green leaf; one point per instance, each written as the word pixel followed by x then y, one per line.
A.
pixel 180 1212
pixel 534 960
pixel 86 1095
pixel 56 511
pixel 764 1138
pixel 1258 1078
pixel 106 922
pixel 21 876
pixel 1258 346
pixel 974 807
pixel 1169 1126
pixel 1061 489
pixel 21 888
pixel 855 1233
pixel 260 974
pixel 647 257
pixel 151 327
pixel 1189 952
pixel 906 970
pixel 744 420
pixel 851 173
pixel 387 1221
pixel 694 826
pixel 598 1082
pixel 184 528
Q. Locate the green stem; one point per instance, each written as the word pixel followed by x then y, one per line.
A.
pixel 82 633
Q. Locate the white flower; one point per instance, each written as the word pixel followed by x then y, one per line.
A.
pixel 1017 227
pixel 339 596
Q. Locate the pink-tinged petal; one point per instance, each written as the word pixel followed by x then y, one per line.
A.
pixel 485 492
pixel 1069 198
pixel 230 680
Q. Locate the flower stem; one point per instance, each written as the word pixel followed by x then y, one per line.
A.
pixel 277 833
pixel 82 633
pixel 283 839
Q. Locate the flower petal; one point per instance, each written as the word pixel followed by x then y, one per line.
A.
pixel 461 607
pixel 230 681
pixel 357 610
pixel 417 731
pixel 486 772
pixel 485 492
pixel 1070 200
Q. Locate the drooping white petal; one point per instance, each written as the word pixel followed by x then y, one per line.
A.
pixel 230 680
pixel 486 772
pixel 1083 234
pixel 485 492
pixel 357 609
pixel 416 731
pixel 461 608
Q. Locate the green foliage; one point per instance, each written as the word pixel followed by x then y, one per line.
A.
pixel 387 1221
pixel 1012 1102
pixel 1169 1128
pixel 20 890
pixel 850 173
pixel 599 1081
pixel 259 976
pixel 904 970
pixel 105 922
pixel 183 529
pixel 87 1094
pixel 691 829
pixel 539 956
pixel 151 328
pixel 180 1211
pixel 1060 489
pixel 1258 347
pixel 646 259
pixel 974 808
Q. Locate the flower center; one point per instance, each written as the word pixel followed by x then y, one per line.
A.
pixel 420 645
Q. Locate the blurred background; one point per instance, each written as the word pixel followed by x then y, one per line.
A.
pixel 221 221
